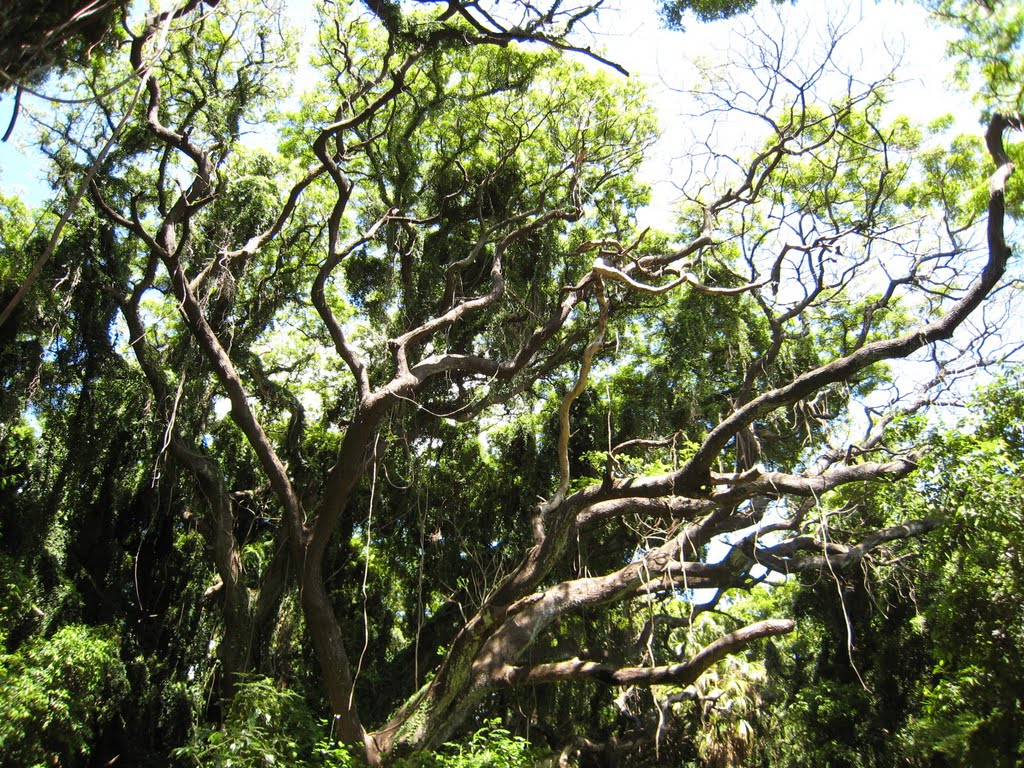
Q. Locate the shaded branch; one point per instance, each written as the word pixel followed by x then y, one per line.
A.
pixel 787 558
pixel 673 674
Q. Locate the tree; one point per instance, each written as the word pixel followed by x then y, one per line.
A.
pixel 988 51
pixel 910 665
pixel 35 38
pixel 969 708
pixel 410 384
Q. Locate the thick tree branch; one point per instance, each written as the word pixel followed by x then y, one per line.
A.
pixel 786 558
pixel 775 484
pixel 844 368
pixel 672 674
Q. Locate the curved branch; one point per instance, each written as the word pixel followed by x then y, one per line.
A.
pixel 87 180
pixel 673 507
pixel 345 350
pixel 775 484
pixel 401 344
pixel 672 674
pixel 784 557
pixel 697 468
pixel 601 267
pixel 581 382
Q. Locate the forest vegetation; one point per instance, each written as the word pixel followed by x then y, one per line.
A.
pixel 348 417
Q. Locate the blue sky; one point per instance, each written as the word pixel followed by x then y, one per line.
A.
pixel 21 170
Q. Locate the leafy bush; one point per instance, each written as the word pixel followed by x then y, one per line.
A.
pixel 490 747
pixel 54 694
pixel 265 726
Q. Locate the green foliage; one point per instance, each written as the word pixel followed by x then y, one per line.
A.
pixel 244 59
pixel 674 12
pixel 989 49
pixel 930 677
pixel 15 591
pixel 973 624
pixel 133 499
pixel 56 693
pixel 38 38
pixel 726 699
pixel 489 747
pixel 265 726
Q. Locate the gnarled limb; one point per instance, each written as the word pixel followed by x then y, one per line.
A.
pixel 672 674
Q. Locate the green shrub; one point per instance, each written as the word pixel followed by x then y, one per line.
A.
pixel 54 694
pixel 490 747
pixel 265 726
